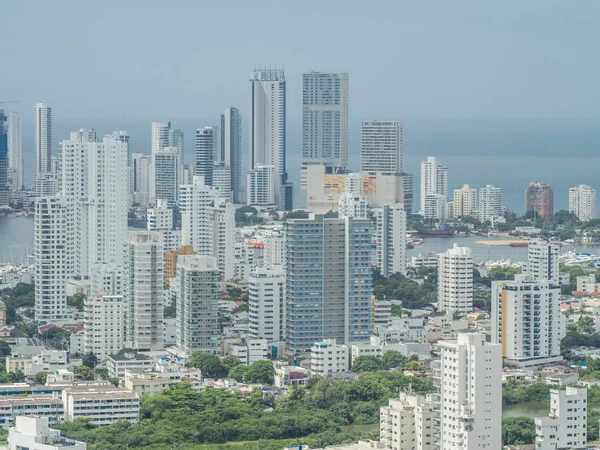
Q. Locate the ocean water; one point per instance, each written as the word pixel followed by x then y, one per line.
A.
pixel 506 153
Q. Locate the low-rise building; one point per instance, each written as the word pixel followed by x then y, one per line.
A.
pixel 248 350
pixel 117 364
pixel 50 406
pixel 32 432
pixel 329 357
pixel 103 404
pixel 408 423
pixel 286 375
pixel 427 260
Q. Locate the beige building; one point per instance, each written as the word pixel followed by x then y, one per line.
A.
pixel 465 201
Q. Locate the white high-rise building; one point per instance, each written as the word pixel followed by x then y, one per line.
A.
pixel 42 129
pixel 266 303
pixel 267 133
pixel 391 239
pixel 160 135
pixel 206 152
pixel 221 175
pixel 327 356
pixel 223 237
pixel 542 261
pixel 582 202
pixel 527 321
pixel 490 203
pixel 352 205
pixel 455 280
pixel 261 187
pixel 381 148
pixel 139 181
pixel 407 423
pixel 107 279
pixel 166 171
pixel 435 207
pixel 566 424
pixel 160 218
pixel 15 155
pixel 324 122
pixel 145 264
pixel 104 332
pixel 231 149
pixel 465 201
pixel 274 249
pixel 197 290
pixel 54 257
pixel 470 393
pixel 434 179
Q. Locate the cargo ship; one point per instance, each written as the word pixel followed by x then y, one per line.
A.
pixel 443 230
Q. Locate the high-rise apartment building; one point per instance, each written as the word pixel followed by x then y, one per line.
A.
pixel 223 237
pixel 267 132
pixel 165 175
pixel 4 182
pixel 542 261
pixel 261 186
pixel 470 393
pixel 221 175
pixel 582 202
pixel 455 280
pixel 266 303
pixel 436 207
pixel 490 203
pixel 15 154
pixel 163 135
pixel 231 149
pixel 566 424
pixel 197 290
pixel 381 148
pixel 140 178
pixel 408 423
pixel 144 290
pixel 206 152
pixel 274 249
pixel 54 257
pixel 325 121
pixel 527 321
pixel 328 281
pixel 104 321
pixel 465 201
pixel 160 218
pixel 391 239
pixel 434 179
pixel 42 128
pixel 539 198
pixel 352 205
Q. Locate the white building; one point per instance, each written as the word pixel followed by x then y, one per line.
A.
pixel 266 131
pixel 455 280
pixel 352 205
pixel 231 149
pixel 42 130
pixel 274 249
pixel 15 154
pixel 490 203
pixel 266 303
pixel 382 313
pixel 104 320
pixel 117 364
pixel 160 135
pixel 582 202
pixel 33 433
pixel 197 291
pixel 566 425
pixel 165 173
pixel 434 179
pixel 542 261
pixel 465 201
pixel 391 239
pixel 329 357
pixel 436 207
pixel 381 147
pixel 261 187
pixel 139 178
pixel 223 237
pixel 54 256
pixel 428 260
pixel 221 175
pixel 527 321
pixel 206 152
pixel 159 217
pixel 104 404
pixel 470 394
pixel 248 350
pixel 408 423
pixel 145 262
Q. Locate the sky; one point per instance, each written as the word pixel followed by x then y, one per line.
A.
pixel 159 60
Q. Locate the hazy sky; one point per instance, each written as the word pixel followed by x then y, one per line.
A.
pixel 427 59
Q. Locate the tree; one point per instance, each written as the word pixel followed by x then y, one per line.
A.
pixel 77 301
pixel 261 372
pixel 393 359
pixel 4 348
pixel 102 372
pixel 84 373
pixel 209 365
pixel 367 364
pixel 127 350
pixel 238 373
pixel 40 377
pixel 230 361
pixel 331 214
pixel 298 214
pixel 518 431
pixel 89 360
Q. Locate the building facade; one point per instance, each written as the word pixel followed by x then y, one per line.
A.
pixel 104 321
pixel 539 198
pixel 261 187
pixel 165 175
pixel 266 303
pixel 434 179
pixel 455 280
pixel 566 424
pixel 327 357
pixel 381 148
pixel 582 202
pixel 542 261
pixel 231 149
pixel 206 152
pixel 465 201
pixel 391 239
pixel 408 423
pixel 15 153
pixel 490 203
pixel 42 130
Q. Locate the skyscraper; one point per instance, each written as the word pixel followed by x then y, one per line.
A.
pixel 490 203
pixel 197 290
pixel 163 135
pixel 325 120
pixel 539 198
pixel 470 393
pixel 144 290
pixel 267 130
pixel 465 201
pixel 231 149
pixel 15 155
pixel 140 178
pixel 222 181
pixel 266 303
pixel 164 177
pixel 328 281
pixel 206 152
pixel 434 179
pixel 261 186
pixel 391 239
pixel 582 202
pixel 4 186
pixel 381 148
pixel 455 280
pixel 542 261
pixel 43 145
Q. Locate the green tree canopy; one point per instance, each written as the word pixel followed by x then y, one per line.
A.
pixel 367 364
pixel 209 365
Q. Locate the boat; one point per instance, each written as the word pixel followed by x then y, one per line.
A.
pixel 443 230
pixel 519 244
